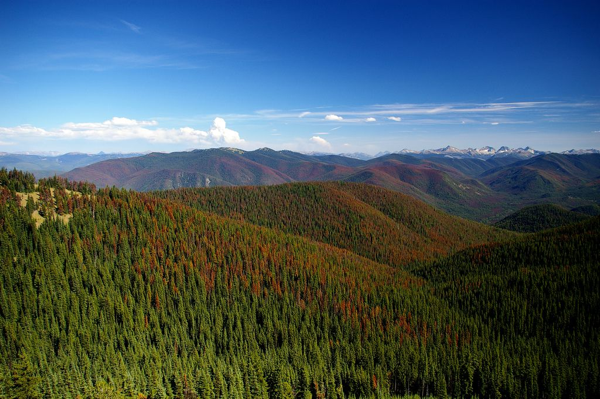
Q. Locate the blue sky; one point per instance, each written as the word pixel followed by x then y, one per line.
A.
pixel 347 76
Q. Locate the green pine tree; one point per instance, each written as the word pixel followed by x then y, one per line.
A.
pixel 24 383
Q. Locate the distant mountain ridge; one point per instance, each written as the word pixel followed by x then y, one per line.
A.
pixel 47 163
pixel 487 152
pixel 44 164
pixel 482 184
pixel 483 189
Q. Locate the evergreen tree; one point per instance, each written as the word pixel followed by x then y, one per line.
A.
pixel 23 383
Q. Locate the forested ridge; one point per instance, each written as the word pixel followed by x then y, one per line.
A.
pixel 139 296
pixel 380 224
pixel 540 217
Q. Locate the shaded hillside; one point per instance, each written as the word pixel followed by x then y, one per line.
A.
pixel 590 210
pixel 341 160
pixel 436 184
pixel 473 167
pixel 300 167
pixel 544 174
pixel 540 291
pixel 382 225
pixel 540 217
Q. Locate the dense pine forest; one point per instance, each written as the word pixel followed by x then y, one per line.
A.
pixel 540 217
pixel 382 225
pixel 294 291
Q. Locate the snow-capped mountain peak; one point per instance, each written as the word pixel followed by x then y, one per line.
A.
pixel 581 152
pixel 483 152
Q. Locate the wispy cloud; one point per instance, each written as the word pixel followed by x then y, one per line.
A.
pixel 303 114
pixel 118 128
pixel 133 27
pixel 100 60
pixel 110 49
pixel 454 113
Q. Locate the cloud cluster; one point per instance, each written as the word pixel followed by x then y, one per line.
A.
pixel 119 128
pixel 395 118
pixel 332 117
pixel 219 132
pixel 320 142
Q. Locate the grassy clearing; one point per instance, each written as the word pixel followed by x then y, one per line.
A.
pixel 39 219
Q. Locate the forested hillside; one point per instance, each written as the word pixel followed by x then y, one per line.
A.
pixel 139 296
pixel 540 217
pixel 540 293
pixel 379 224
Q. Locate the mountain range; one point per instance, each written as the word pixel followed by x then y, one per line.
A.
pixel 44 164
pixel 48 164
pixel 484 189
pixel 483 152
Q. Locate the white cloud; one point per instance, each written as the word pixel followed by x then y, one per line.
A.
pixel 332 117
pixel 371 119
pixel 395 118
pixel 116 121
pixel 22 130
pixel 131 26
pixel 118 128
pixel 302 115
pixel 320 141
pixel 219 132
pixel 495 123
